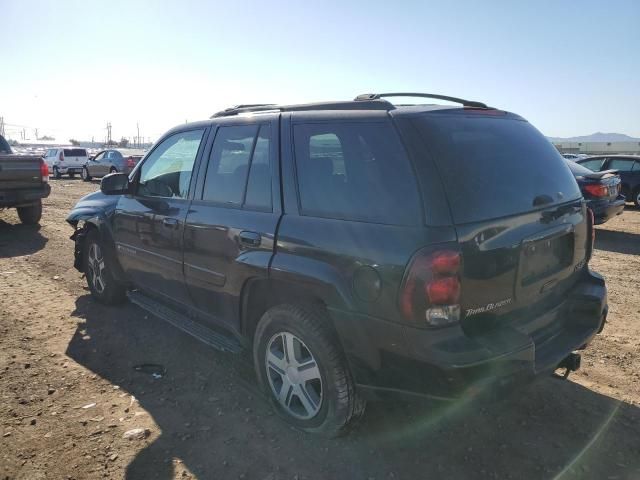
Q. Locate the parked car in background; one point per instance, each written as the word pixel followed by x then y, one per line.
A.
pixel 574 156
pixel 356 248
pixel 66 161
pixel 601 190
pixel 627 166
pixel 111 161
pixel 24 182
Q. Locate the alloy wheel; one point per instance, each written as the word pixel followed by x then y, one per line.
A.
pixel 294 376
pixel 96 268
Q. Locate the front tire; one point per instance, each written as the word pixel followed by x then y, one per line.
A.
pixel 98 271
pixel 113 170
pixel 31 214
pixel 72 174
pixel 636 198
pixel 56 173
pixel 85 175
pixel 301 367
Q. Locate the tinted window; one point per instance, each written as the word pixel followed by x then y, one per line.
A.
pixel 167 170
pixel 75 152
pixel 259 185
pixel 622 164
pixel 494 166
pixel 593 165
pixel 355 171
pixel 578 170
pixel 229 164
pixel 4 146
pixel 99 156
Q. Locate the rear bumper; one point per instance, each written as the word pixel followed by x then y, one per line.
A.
pixel 70 168
pixel 604 210
pixel 447 364
pixel 17 198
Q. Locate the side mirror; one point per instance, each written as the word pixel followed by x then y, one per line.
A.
pixel 115 184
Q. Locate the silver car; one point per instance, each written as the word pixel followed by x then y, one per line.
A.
pixel 110 161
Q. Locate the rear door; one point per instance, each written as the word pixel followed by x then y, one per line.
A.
pixel 519 216
pixel 231 224
pixel 149 224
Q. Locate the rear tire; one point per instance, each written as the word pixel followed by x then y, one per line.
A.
pixel 301 367
pixel 636 197
pixel 72 174
pixel 85 174
pixel 56 173
pixel 31 214
pixel 98 271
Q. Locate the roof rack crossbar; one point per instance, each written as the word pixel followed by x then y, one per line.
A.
pixel 462 101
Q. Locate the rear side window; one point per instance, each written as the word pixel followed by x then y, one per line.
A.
pixel 75 152
pixel 355 171
pixel 621 164
pixel 239 170
pixel 494 166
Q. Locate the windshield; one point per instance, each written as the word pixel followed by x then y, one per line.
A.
pixel 485 160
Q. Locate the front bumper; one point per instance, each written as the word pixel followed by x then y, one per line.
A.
pixel 448 364
pixel 604 210
pixel 20 197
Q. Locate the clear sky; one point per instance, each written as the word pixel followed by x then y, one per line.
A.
pixel 570 67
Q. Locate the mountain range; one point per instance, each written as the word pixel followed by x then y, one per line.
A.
pixel 597 137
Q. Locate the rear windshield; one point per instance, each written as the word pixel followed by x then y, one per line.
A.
pixel 75 152
pixel 494 166
pixel 578 170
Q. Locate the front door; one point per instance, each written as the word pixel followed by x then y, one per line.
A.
pixel 148 225
pixel 230 228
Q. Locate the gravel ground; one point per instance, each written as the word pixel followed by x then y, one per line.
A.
pixel 70 393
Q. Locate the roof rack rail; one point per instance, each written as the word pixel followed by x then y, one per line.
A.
pixel 378 96
pixel 364 104
pixel 248 107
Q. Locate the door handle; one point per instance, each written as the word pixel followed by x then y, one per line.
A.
pixel 170 222
pixel 251 239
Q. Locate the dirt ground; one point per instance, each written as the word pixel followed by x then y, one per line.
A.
pixel 69 391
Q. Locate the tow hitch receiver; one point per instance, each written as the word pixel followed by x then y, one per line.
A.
pixel 571 363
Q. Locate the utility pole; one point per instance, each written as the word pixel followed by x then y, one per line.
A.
pixel 138 137
pixel 2 126
pixel 35 132
pixel 108 133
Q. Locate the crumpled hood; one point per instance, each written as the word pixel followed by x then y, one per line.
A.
pixel 91 205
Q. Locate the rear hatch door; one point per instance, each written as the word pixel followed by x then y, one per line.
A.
pixel 517 210
pixel 75 157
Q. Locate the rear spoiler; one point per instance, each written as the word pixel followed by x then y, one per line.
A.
pixel 598 175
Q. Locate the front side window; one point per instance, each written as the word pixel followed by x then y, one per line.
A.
pixel 167 170
pixel 239 170
pixel 355 171
pixel 99 157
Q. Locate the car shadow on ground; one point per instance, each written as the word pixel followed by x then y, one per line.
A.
pixel 618 242
pixel 17 239
pixel 213 420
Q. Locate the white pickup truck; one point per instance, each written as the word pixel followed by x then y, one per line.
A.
pixel 67 160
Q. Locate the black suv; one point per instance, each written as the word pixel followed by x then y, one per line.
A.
pixel 359 248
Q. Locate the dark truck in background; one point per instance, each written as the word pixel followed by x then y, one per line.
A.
pixel 24 182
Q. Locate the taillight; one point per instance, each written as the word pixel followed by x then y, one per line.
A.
pixel 131 162
pixel 597 190
pixel 430 292
pixel 61 157
pixel 44 171
pixel 592 233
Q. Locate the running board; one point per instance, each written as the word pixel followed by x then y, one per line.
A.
pixel 206 335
